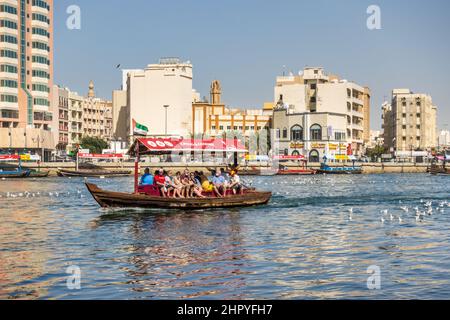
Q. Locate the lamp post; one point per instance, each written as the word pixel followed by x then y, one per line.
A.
pixel 166 107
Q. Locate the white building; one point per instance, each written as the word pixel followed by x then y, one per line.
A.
pixel 314 92
pixel 160 97
pixel 444 139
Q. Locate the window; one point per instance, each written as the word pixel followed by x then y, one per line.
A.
pixel 8 83
pixel 285 133
pixel 221 128
pixel 418 115
pixel 40 3
pixel 404 115
pixel 8 68
pixel 8 54
pixel 8 24
pixel 404 127
pixel 339 136
pixel 8 9
pixel 313 86
pixel 40 46
pixel 278 133
pixel 316 132
pixel 41 60
pixel 9 98
pixel 41 18
pixel 297 133
pixel 41 88
pixel 314 156
pixel 41 32
pixel 9 39
pixel 41 74
pixel 41 102
pixel 213 128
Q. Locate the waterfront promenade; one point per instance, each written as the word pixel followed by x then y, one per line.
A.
pixel 368 168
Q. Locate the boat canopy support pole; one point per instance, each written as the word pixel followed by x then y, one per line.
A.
pixel 136 169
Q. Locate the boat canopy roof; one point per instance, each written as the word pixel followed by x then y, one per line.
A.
pixel 159 146
pixel 9 157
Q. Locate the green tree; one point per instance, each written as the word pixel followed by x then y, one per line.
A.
pixel 94 144
pixel 377 152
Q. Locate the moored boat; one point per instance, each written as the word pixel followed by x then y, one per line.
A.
pixel 14 174
pixel 92 173
pixel 325 169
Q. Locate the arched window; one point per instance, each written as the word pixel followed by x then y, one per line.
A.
pixel 314 156
pixel 297 133
pixel 285 133
pixel 295 153
pixel 316 132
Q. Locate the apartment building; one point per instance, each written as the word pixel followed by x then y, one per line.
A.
pixel 26 74
pixel 319 115
pixel 160 97
pixel 409 122
pixel 80 116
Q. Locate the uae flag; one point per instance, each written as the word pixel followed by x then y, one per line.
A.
pixel 139 129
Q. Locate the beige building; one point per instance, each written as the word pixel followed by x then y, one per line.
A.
pixel 160 98
pixel 409 123
pixel 212 118
pixel 80 116
pixel 97 116
pixel 26 73
pixel 317 114
pixel 121 130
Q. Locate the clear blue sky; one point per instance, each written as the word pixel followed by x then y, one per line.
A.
pixel 245 43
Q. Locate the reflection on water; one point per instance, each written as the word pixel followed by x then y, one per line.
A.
pixel 305 244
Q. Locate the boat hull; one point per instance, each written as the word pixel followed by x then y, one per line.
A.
pixel 339 171
pixel 296 172
pixel 108 199
pixel 14 175
pixel 92 174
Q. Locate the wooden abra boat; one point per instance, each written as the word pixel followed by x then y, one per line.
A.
pixel 109 199
pixel 149 196
pixel 14 174
pixel 439 170
pixel 324 169
pixel 92 173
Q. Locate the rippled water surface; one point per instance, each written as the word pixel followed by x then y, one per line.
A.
pixel 304 244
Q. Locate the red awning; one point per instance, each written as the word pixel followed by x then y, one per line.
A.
pixel 12 157
pixel 99 156
pixel 169 145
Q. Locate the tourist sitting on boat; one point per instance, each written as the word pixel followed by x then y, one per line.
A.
pixel 175 183
pixel 147 179
pixel 160 181
pixel 188 184
pixel 235 183
pixel 207 186
pixel 220 184
pixel 196 186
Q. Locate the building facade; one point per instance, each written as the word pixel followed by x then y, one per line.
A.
pixel 212 118
pixel 97 116
pixel 444 140
pixel 80 116
pixel 160 98
pixel 319 115
pixel 26 72
pixel 409 122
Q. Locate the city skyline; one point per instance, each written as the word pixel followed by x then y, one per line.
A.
pixel 246 48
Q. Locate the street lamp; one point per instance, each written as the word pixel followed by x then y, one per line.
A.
pixel 166 107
